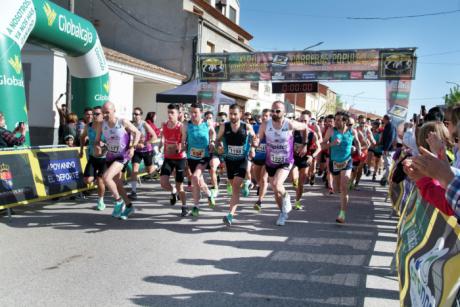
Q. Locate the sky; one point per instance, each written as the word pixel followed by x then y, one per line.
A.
pixel 296 24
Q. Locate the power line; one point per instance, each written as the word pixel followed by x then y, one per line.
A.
pixel 104 2
pixel 357 18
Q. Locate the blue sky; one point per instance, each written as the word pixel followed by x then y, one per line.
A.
pixel 296 24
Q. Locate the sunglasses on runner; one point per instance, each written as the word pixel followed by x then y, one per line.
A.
pixel 278 111
pixel 97 114
pixel 137 114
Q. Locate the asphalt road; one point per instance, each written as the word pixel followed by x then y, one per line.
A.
pixel 67 254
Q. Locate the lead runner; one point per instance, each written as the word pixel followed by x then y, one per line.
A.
pixel 278 133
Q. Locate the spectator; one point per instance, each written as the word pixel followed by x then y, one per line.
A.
pixel 87 118
pixel 70 127
pixel 69 140
pixel 409 139
pixel 8 138
pixel 63 112
pixel 387 141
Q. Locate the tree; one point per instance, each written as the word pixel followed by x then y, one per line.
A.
pixel 453 97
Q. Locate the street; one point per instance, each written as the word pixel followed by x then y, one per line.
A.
pixel 67 254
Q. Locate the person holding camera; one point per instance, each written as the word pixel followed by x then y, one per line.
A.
pixel 8 138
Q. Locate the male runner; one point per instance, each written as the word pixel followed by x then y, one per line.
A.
pixel 215 160
pixel 235 135
pixel 306 148
pixel 340 141
pixel 143 150
pixel 278 133
pixel 366 140
pixel 96 166
pixel 258 164
pixel 120 149
pixel 199 139
pixel 174 157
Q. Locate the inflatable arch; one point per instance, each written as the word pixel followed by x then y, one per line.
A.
pixel 47 24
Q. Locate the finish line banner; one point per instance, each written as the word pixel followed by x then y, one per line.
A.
pixel 354 64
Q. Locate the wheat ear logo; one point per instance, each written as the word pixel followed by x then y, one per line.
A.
pixel 50 13
pixel 107 87
pixel 16 64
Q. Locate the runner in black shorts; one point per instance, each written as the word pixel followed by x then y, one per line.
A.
pixel 174 157
pixel 235 136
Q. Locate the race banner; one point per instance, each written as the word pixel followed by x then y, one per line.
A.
pixel 16 178
pixel 428 255
pixel 354 64
pixel 398 92
pixel 61 171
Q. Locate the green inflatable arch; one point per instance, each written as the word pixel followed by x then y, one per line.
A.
pixel 45 23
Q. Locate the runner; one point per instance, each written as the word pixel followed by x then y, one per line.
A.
pixel 116 132
pixel 306 148
pixel 174 157
pixel 375 151
pixel 366 139
pixel 96 165
pixel 215 160
pixel 325 155
pixel 199 139
pixel 278 133
pixel 258 164
pixel 340 141
pixel 316 129
pixel 143 151
pixel 235 135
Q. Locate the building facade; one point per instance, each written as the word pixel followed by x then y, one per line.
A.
pixel 322 103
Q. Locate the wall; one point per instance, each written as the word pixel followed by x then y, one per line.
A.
pixel 145 97
pixel 121 93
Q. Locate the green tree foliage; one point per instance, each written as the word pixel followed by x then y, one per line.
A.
pixel 453 97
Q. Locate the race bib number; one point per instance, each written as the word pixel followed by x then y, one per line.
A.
pixel 235 150
pixel 113 148
pixel 261 148
pixel 197 153
pixel 171 149
pixel 339 166
pixel 277 158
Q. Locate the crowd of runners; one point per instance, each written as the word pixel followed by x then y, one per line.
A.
pixel 257 153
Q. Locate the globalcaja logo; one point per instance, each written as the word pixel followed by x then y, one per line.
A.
pixel 6 178
pixel 16 64
pixel 50 13
pixel 107 87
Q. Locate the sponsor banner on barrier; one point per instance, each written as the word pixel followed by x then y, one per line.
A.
pixel 355 64
pixel 61 171
pixel 16 179
pixel 428 254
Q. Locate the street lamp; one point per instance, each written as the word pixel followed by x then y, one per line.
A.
pixel 315 45
pixel 450 82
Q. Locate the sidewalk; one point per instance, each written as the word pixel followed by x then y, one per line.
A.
pixel 68 254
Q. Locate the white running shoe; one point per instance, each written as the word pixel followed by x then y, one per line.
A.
pixel 287 206
pixel 282 219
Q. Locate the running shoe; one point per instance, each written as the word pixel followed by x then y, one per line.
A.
pixel 258 191
pixel 368 173
pixel 383 182
pixel 350 186
pixel 331 191
pixel 189 187
pixel 295 183
pixel 117 209
pixel 287 206
pixel 312 179
pixel 374 177
pixel 282 219
pixel 133 196
pixel 341 217
pixel 228 219
pixel 127 212
pixel 320 173
pixel 195 211
pixel 173 199
pixel 258 206
pixel 215 192
pixel 365 169
pixel 211 201
pixel 298 205
pixel 185 211
pixel 245 189
pixel 229 189
pixel 100 205
pixel 156 175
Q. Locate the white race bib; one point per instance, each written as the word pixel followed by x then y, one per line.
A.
pixel 339 166
pixel 261 148
pixel 113 148
pixel 277 158
pixel 235 150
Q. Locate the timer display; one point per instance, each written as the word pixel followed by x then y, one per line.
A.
pixel 294 87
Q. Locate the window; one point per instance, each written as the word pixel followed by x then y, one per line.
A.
pixel 210 47
pixel 232 14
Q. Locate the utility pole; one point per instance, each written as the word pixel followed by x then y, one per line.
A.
pixel 69 79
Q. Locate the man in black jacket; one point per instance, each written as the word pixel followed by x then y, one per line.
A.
pixel 8 138
pixel 388 139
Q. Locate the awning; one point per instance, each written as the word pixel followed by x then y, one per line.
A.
pixel 187 93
